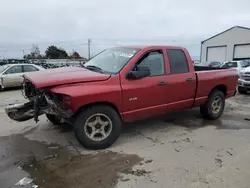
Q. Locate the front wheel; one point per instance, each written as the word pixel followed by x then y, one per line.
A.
pixel 98 127
pixel 214 106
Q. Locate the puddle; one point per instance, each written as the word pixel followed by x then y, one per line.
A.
pixel 55 166
pixel 64 170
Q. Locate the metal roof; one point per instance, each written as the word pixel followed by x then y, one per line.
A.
pixel 241 27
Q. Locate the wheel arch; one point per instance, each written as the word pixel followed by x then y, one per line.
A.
pixel 105 103
pixel 221 87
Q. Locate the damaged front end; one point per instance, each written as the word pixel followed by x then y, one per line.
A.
pixel 41 101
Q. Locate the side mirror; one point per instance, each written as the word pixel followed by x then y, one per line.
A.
pixel 141 72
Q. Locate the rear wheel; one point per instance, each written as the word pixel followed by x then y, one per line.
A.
pixel 54 119
pixel 242 90
pixel 214 106
pixel 98 127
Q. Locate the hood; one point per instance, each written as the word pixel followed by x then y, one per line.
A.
pixel 65 75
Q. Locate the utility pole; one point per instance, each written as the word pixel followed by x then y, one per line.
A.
pixel 89 42
pixel 23 52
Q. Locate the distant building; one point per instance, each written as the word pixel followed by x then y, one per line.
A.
pixel 232 44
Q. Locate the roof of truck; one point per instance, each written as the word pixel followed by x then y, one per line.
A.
pixel 151 46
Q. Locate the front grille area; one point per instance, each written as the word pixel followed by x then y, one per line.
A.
pixel 247 78
pixel 29 90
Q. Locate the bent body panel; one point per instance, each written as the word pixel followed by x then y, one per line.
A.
pixel 86 93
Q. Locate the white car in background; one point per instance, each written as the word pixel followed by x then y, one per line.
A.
pixel 11 75
pixel 244 81
pixel 238 65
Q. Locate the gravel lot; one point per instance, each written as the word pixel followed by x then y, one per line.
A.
pixel 179 150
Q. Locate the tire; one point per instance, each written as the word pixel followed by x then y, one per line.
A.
pixel 109 122
pixel 241 90
pixel 210 110
pixel 53 119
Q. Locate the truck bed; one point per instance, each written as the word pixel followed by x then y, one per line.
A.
pixel 206 68
pixel 210 77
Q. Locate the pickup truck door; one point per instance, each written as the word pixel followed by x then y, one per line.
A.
pixel 145 97
pixel 181 78
pixel 13 76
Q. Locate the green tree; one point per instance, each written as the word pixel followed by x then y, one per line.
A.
pixel 53 52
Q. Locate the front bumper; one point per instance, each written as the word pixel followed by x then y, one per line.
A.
pixel 32 109
pixel 21 111
pixel 244 84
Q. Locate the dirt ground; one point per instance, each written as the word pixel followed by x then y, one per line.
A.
pixel 179 150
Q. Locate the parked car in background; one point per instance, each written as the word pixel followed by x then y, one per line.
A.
pixel 215 64
pixel 247 62
pixel 11 75
pixel 121 85
pixel 3 62
pixel 238 65
pixel 52 65
pixel 244 81
pixel 73 64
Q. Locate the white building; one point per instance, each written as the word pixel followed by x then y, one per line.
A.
pixel 232 44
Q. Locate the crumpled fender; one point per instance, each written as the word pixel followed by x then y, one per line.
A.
pixel 94 92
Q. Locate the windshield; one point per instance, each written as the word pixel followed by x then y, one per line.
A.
pixel 4 67
pixel 244 63
pixel 111 61
pixel 230 64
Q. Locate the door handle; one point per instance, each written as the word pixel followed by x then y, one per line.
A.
pixel 162 83
pixel 189 79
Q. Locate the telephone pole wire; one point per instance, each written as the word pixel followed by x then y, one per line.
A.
pixel 89 42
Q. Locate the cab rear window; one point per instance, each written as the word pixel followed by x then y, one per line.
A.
pixel 178 61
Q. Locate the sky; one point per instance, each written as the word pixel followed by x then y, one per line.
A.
pixel 70 23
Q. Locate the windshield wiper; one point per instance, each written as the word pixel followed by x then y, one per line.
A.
pixel 94 68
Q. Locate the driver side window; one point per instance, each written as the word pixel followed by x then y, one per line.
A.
pixel 155 61
pixel 14 70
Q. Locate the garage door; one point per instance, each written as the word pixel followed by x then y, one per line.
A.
pixel 216 53
pixel 242 51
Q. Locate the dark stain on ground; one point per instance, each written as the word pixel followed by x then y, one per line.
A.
pixel 73 171
pixel 52 165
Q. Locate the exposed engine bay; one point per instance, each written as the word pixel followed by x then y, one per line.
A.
pixel 40 101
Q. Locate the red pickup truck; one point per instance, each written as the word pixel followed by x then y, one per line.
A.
pixel 123 84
